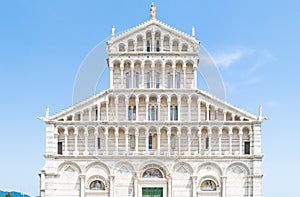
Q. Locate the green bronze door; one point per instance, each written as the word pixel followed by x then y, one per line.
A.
pixel 153 192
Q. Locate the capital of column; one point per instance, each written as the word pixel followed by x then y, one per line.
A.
pixel 230 131
pixel 199 101
pixel 76 131
pixel 199 133
pixel 147 99
pixel 96 132
pixel 137 100
pixel 117 132
pixel 66 133
pixel 106 131
pixel 82 176
pixel 116 100
pixel 179 132
pixel 169 132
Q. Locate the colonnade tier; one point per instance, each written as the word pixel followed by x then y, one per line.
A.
pixel 157 73
pixel 141 107
pixel 206 140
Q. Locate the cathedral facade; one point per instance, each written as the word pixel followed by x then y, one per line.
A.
pixel 152 133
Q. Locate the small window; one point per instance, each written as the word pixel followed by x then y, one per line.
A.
pixel 129 113
pixel 134 113
pixel 127 79
pixel 150 142
pixel 137 80
pixel 173 142
pixel 59 148
pixel 148 46
pixel 178 80
pixel 98 143
pixel 132 141
pixel 207 143
pixel 148 79
pixel 157 79
pixel 247 148
pixel 169 80
pixel 96 114
pixel 157 46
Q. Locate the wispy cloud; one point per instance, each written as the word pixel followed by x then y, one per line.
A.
pixel 227 59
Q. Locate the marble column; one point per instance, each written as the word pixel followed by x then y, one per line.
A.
pixel 122 75
pixel 82 181
pixel 184 76
pixel 199 109
pixel 96 135
pixel 107 102
pixel 158 141
pixel 207 112
pixel 116 139
pixel 230 141
pixel 169 141
pixel 179 140
pixel 189 133
pixel 220 141
pixel 241 142
pixel 199 141
pixel 66 133
pixel 111 72
pixel 86 134
pixel 117 108
pixel 223 178
pixel 137 108
pixel 137 140
pixel 126 140
pixel 194 183
pixel 111 186
pixel 76 141
pixel 106 140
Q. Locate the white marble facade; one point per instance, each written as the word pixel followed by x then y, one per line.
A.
pixel 152 133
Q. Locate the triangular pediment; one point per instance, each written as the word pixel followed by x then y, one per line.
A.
pixel 158 31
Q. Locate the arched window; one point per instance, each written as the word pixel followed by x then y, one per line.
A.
pixel 121 47
pixel 157 46
pixel 184 47
pixel 148 46
pixel 97 185
pixel 208 185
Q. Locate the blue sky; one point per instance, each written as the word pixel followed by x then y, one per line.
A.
pixel 42 44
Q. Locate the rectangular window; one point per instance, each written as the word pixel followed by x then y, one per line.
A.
pixel 169 80
pixel 148 79
pixel 137 80
pixel 134 113
pixel 132 141
pixel 175 113
pixel 152 113
pixel 206 143
pixel 156 113
pixel 173 142
pixel 127 80
pixel 178 80
pixel 98 143
pixel 97 114
pixel 171 113
pixel 59 148
pixel 157 80
pixel 129 113
pixel 150 142
pixel 247 148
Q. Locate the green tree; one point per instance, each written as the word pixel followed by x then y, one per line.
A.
pixel 8 195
